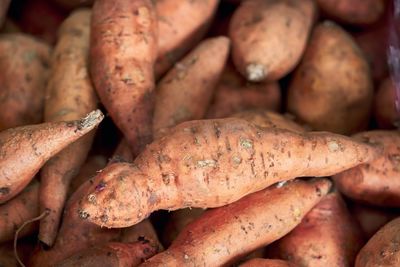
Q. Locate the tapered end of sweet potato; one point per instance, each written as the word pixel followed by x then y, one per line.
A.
pixel 91 120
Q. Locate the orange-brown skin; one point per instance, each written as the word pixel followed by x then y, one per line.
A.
pixel 269 119
pixel 269 37
pixel 141 231
pixel 69 96
pixel 112 254
pixel 332 88
pixel 25 149
pixel 3 10
pixel 385 112
pixel 24 64
pixel 186 90
pixel 376 182
pixel 123 48
pixel 19 210
pixel 181 25
pixel 383 248
pixel 211 163
pixel 222 236
pixel 233 94
pixel 353 11
pixel 327 236
pixel 258 262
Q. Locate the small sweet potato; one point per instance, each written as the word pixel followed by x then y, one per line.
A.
pixel 25 149
pixel 24 64
pixel 221 236
pixel 385 111
pixel 123 49
pixel 383 248
pixel 234 94
pixel 376 182
pixel 211 163
pixel 185 92
pixel 258 262
pixel 181 24
pixel 327 236
pixel 353 11
pixel 18 210
pixel 111 254
pixel 332 88
pixel 269 37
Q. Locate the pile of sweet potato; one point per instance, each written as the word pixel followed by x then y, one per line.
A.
pixel 199 133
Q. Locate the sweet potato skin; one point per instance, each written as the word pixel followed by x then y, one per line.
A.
pixel 211 240
pixel 182 169
pixel 327 236
pixel 19 210
pixel 385 112
pixel 383 248
pixel 353 11
pixel 376 182
pixel 340 105
pixel 123 48
pixel 24 63
pixel 258 262
pixel 269 37
pixel 181 25
pixel 69 96
pixel 186 91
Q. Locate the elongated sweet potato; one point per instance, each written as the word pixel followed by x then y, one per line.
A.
pixel 69 96
pixel 19 210
pixel 184 169
pixel 353 11
pixel 24 64
pixel 234 94
pixel 385 111
pixel 267 263
pixel 376 182
pixel 181 24
pixel 25 149
pixel 269 119
pixel 256 220
pixel 269 37
pixel 327 236
pixel 111 254
pixel 332 88
pixel 383 248
pixel 185 92
pixel 123 48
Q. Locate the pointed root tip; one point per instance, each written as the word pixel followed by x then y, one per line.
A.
pixel 91 120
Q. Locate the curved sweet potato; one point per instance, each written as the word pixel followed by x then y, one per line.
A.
pixel 383 248
pixel 123 48
pixel 182 169
pixel 267 263
pixel 385 111
pixel 269 37
pixel 256 220
pixel 341 104
pixel 24 64
pixel 376 182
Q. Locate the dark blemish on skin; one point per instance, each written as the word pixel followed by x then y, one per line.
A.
pixel 70 124
pixel 319 193
pixel 100 187
pixel 4 191
pixel 104 218
pixel 83 214
pixel 109 254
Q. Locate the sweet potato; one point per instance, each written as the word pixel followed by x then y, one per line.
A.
pixel 19 210
pixel 111 254
pixel 269 119
pixel 376 182
pixel 269 37
pixel 383 248
pixel 184 169
pixel 141 231
pixel 385 111
pixel 332 88
pixel 353 11
pixel 327 236
pixel 256 220
pixel 185 92
pixel 234 94
pixel 69 96
pixel 24 64
pixel 123 48
pixel 25 149
pixel 3 10
pixel 181 24
pixel 267 263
